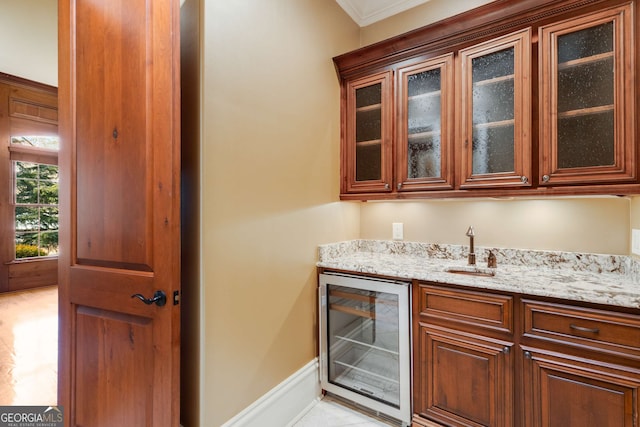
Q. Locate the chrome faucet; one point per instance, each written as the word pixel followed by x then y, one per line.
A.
pixel 472 255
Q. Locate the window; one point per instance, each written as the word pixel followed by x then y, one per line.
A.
pixel 35 188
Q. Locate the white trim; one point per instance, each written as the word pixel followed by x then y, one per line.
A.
pixel 284 404
pixel 367 12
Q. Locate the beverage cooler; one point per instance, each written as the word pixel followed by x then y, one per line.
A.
pixel 365 342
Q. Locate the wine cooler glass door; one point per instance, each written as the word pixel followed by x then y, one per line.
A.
pixel 367 341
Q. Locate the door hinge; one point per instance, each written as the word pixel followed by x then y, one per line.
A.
pixel 176 297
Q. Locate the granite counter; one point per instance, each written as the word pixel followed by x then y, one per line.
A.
pixel 594 278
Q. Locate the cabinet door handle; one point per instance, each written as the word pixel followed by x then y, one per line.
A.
pixel 399 185
pixel 524 179
pixel 386 185
pixel 506 349
pixel 545 178
pixel 527 355
pixel 583 329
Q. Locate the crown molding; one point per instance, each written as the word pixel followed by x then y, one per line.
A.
pixel 366 12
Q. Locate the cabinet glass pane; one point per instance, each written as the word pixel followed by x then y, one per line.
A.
pixel 493 149
pixel 368 162
pixel 423 124
pixel 585 43
pixel 585 97
pixel 493 113
pixel 369 133
pixel 363 341
pixel 589 132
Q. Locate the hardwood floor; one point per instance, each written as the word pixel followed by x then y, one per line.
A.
pixel 29 361
pixel 29 347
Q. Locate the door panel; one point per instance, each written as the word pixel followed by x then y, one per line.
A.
pixel 113 159
pixel 113 356
pixel 466 379
pixel 119 204
pixel 568 391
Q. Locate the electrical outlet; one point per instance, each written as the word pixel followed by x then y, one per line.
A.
pixel 398 231
pixel 635 241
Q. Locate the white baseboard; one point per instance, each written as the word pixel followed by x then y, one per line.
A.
pixel 284 404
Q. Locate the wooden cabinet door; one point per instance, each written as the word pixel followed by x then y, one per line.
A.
pixel 567 391
pixel 367 135
pixel 495 111
pixel 119 209
pixel 425 125
pixel 463 379
pixel 587 99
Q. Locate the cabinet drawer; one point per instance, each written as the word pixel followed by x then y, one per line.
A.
pixel 583 327
pixel 466 308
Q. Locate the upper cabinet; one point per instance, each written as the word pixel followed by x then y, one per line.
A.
pixel 526 98
pixel 424 128
pixel 495 112
pixel 587 98
pixel 366 147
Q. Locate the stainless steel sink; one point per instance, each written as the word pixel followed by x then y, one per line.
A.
pixel 472 271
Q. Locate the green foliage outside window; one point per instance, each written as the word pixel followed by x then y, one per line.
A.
pixel 36 212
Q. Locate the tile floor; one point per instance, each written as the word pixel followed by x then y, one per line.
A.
pixel 333 412
pixel 29 354
pixel 29 347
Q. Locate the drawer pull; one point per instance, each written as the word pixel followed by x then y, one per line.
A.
pixel 583 329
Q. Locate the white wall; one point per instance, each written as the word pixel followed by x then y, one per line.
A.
pixel 425 14
pixel 29 39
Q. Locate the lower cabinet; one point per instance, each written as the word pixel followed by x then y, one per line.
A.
pixel 568 391
pixel 484 358
pixel 467 379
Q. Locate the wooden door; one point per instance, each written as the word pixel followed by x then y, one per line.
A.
pixel 568 391
pixel 119 208
pixel 465 379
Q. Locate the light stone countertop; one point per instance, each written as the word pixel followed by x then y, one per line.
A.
pixel 595 278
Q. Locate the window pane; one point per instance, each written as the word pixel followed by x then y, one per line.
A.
pixel 26 170
pixel 49 242
pixel 27 219
pixel 27 245
pixel 48 172
pixel 49 142
pixel 48 193
pixel 48 219
pixel 26 191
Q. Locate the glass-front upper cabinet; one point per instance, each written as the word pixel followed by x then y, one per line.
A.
pixel 367 162
pixel 495 141
pixel 425 125
pixel 587 99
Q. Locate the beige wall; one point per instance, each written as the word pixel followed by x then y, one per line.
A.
pixel 269 188
pixel 29 39
pixel 270 170
pixel 635 215
pixel 599 225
